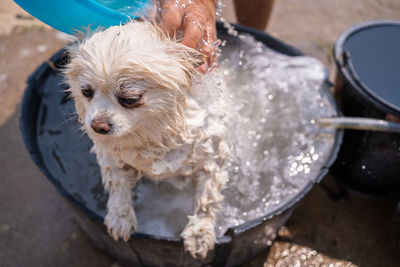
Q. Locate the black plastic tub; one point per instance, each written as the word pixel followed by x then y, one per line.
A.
pixel 72 178
pixel 367 85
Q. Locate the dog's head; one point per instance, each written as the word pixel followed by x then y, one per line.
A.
pixel 131 80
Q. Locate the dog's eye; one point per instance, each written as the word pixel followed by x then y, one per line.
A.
pixel 87 91
pixel 130 102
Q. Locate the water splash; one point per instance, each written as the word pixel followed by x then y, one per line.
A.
pixel 277 148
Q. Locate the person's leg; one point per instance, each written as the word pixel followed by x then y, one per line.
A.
pixel 253 13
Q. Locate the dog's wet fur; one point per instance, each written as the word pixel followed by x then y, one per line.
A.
pixel 134 93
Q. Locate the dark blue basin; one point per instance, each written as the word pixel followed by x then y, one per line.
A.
pixel 61 151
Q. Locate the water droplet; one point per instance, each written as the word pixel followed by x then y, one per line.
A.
pixel 302 144
pixel 236 169
pixel 293 166
pixel 306 169
pixel 285 253
pixel 300 168
pixel 313 252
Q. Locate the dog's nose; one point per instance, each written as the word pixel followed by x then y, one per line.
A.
pixel 100 126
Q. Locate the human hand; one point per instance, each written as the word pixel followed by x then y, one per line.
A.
pixel 196 18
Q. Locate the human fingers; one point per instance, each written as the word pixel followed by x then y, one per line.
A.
pixel 171 17
pixel 208 46
pixel 193 28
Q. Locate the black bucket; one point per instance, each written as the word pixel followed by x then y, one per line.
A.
pixel 368 85
pixel 238 245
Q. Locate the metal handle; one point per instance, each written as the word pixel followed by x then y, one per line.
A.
pixel 357 123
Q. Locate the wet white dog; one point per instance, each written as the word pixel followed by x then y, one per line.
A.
pixel 141 101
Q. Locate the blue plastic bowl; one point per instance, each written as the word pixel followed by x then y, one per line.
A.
pixel 71 15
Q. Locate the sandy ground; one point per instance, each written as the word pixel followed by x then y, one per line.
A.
pixel 36 225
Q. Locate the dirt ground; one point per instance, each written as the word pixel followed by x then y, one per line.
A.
pixel 36 225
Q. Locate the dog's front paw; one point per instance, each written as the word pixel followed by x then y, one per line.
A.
pixel 121 222
pixel 199 236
